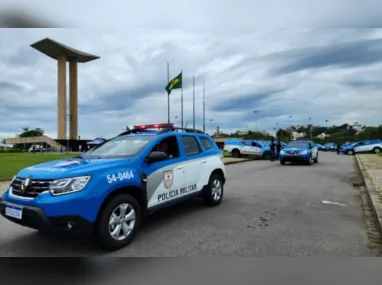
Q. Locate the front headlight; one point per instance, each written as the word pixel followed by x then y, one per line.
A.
pixel 68 185
pixel 282 152
pixel 304 152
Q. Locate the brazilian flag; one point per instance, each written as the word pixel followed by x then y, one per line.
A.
pixel 176 83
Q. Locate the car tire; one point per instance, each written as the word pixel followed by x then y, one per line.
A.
pixel 376 150
pixel 310 161
pixel 236 153
pixel 103 228
pixel 282 162
pixel 350 152
pixel 316 159
pixel 214 191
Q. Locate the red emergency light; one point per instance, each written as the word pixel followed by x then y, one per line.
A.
pixel 153 126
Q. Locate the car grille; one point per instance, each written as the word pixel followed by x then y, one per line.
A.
pixel 292 152
pixel 36 187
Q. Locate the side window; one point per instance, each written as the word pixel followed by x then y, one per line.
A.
pixel 206 143
pixel 191 146
pixel 168 145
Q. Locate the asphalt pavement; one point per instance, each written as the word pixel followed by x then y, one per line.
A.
pixel 268 210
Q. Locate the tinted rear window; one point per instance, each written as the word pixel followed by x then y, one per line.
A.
pixel 191 146
pixel 206 143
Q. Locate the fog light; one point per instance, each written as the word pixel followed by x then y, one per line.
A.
pixel 69 226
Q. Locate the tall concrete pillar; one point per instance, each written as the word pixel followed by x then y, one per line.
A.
pixel 62 54
pixel 73 100
pixel 61 106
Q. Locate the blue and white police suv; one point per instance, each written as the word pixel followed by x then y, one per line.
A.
pixel 252 148
pixel 106 192
pixel 299 151
pixel 367 146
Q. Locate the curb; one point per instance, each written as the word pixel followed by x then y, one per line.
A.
pixel 372 194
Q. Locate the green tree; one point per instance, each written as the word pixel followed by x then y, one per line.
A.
pixel 283 135
pixel 37 132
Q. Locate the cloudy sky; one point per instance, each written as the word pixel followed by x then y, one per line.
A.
pixel 323 73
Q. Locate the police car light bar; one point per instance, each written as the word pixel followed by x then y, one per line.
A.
pixel 153 126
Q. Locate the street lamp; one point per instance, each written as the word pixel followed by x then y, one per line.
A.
pixel 290 121
pixel 255 112
pixel 211 120
pixel 310 128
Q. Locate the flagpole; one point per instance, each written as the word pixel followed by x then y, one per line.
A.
pixel 168 95
pixel 181 102
pixel 193 98
pixel 204 106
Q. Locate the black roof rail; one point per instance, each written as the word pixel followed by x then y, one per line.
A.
pixel 187 130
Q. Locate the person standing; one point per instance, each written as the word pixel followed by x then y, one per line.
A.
pixel 279 147
pixel 273 150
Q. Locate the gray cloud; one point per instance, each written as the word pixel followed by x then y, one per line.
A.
pixel 126 86
pixel 347 54
pixel 10 86
pixel 244 102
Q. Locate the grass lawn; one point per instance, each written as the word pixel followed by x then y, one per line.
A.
pixel 227 154
pixel 11 163
pixel 380 154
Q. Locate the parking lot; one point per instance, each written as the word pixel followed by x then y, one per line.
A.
pixel 268 210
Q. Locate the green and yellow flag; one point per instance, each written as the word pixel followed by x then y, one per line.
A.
pixel 176 83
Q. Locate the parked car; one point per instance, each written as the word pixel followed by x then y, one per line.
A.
pixel 239 148
pixel 365 146
pixel 321 147
pixel 331 146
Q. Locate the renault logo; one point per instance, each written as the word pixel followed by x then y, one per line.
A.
pixel 25 184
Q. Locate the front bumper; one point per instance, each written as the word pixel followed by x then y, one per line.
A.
pixel 35 217
pixel 295 158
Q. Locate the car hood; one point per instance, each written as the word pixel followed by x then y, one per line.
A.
pixel 71 167
pixel 294 149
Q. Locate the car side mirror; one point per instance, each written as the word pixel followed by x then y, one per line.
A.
pixel 156 156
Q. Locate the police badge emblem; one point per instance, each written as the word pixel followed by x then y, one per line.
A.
pixel 168 178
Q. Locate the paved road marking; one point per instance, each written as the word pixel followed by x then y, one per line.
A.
pixel 333 203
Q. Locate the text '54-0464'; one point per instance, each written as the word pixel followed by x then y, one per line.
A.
pixel 120 176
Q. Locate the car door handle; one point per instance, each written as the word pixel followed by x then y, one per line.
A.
pixel 179 168
pixel 204 161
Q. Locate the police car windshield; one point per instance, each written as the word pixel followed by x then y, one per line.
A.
pixel 298 145
pixel 120 147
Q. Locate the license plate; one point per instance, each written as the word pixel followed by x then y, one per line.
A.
pixel 14 212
